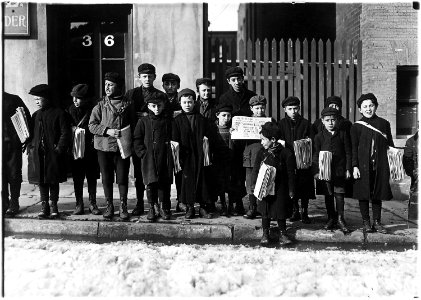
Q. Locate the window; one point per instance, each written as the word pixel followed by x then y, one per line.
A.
pixel 407 101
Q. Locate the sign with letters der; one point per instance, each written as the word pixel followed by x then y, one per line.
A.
pixel 16 19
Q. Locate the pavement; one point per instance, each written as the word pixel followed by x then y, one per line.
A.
pixel 219 229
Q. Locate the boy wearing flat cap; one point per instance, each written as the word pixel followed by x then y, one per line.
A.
pixel 80 112
pixel 112 113
pixel 370 137
pixel 50 139
pixel 138 96
pixel 171 84
pixel 204 103
pixel 189 129
pixel 336 142
pixel 151 141
pixel 11 154
pixel 294 127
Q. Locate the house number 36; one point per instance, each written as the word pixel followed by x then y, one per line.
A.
pixel 87 40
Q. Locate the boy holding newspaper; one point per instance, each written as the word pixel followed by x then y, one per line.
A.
pixel 332 165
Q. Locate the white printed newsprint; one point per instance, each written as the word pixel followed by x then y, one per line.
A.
pixel 247 128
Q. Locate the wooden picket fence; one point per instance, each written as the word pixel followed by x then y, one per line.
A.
pixel 311 71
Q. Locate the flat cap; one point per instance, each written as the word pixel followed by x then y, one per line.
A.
pixel 271 130
pixel 329 111
pixel 170 77
pixel 41 90
pixel 369 96
pixel 291 101
pixel 333 100
pixel 257 100
pixel 146 69
pixel 186 92
pixel 234 71
pixel 204 80
pixel 114 77
pixel 156 97
pixel 224 107
pixel 79 90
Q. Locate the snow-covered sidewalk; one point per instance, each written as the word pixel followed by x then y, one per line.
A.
pixel 36 267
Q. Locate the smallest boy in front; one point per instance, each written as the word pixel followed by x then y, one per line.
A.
pixel 151 141
pixel 338 143
pixel 258 108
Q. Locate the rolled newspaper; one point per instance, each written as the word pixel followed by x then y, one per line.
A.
pixel 78 143
pixel 206 158
pixel 175 149
pixel 303 153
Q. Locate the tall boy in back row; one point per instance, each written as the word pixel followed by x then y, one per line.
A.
pixel 294 127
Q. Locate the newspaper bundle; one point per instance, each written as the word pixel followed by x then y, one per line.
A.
pixel 303 153
pixel 325 160
pixel 21 124
pixel 395 157
pixel 175 149
pixel 265 182
pixel 78 149
pixel 124 142
pixel 206 155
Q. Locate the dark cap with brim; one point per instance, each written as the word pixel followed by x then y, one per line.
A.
pixel 79 91
pixel 234 72
pixel 369 96
pixel 291 101
pixel 146 69
pixel 41 90
pixel 329 111
pixel 186 92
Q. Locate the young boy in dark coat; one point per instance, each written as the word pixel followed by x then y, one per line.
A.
pixel 171 84
pixel 338 143
pixel 189 129
pixel 204 103
pixel 275 206
pixel 80 112
pixel 11 154
pixel 371 136
pixel 410 164
pixel 294 127
pixel 50 139
pixel 151 140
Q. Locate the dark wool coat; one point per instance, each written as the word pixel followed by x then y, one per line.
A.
pixel 341 124
pixel 195 177
pixel 208 111
pixel 340 146
pixel 276 206
pixel 151 141
pixel 138 97
pixel 362 139
pixel 410 160
pixel 80 118
pixel 52 124
pixel 239 101
pixel 12 146
pixel 290 132
pixel 172 105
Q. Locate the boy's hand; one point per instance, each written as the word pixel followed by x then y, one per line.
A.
pixel 291 195
pixel 347 174
pixel 356 174
pixel 113 132
pixel 316 176
pixel 232 129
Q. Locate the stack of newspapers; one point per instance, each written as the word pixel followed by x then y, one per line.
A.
pixel 124 142
pixel 78 143
pixel 175 149
pixel 303 155
pixel 21 124
pixel 206 158
pixel 395 157
pixel 325 160
pixel 265 182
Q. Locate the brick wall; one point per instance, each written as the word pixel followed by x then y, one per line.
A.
pixel 348 21
pixel 389 38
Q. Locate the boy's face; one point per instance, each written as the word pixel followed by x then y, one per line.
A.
pixel 187 103
pixel 335 106
pixel 156 108
pixel 111 88
pixel 368 109
pixel 236 82
pixel 171 86
pixel 78 102
pixel 329 122
pixel 266 142
pixel 223 118
pixel 147 79
pixel 258 110
pixel 204 91
pixel 40 101
pixel 292 111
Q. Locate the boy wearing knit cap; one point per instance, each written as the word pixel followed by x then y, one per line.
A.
pixel 151 142
pixel 336 142
pixel 189 129
pixel 258 108
pixel 370 137
pixel 294 127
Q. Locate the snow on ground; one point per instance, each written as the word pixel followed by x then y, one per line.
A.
pixel 44 267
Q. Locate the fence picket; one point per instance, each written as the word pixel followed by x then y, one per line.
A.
pixel 359 73
pixel 335 69
pixel 305 99
pixel 274 97
pixel 313 86
pixel 282 76
pixel 297 70
pixel 321 80
pixel 241 55
pixel 258 69
pixel 290 69
pixel 266 73
pixel 233 55
pixel 328 69
pixel 351 84
pixel 345 111
pixel 250 65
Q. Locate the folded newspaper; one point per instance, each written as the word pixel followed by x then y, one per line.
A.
pixel 78 143
pixel 325 160
pixel 21 124
pixel 265 182
pixel 124 142
pixel 206 154
pixel 395 159
pixel 175 149
pixel 303 153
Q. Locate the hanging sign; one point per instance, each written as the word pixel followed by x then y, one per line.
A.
pixel 16 19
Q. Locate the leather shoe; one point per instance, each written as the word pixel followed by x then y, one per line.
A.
pixel 284 239
pixel 296 216
pixel 304 217
pixel 330 224
pixel 342 225
pixel 180 207
pixel 265 238
pixel 378 226
pixel 366 226
pixel 204 214
pixel 151 217
pixel 190 212
pixel 251 213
